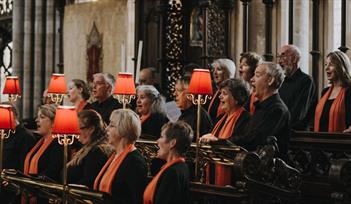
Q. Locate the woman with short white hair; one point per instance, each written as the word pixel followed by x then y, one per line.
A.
pixel 222 69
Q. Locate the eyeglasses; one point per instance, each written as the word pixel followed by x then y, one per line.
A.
pixel 82 128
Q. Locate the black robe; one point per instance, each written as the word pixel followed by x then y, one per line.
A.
pixel 87 170
pixel 106 107
pixel 151 127
pixel 130 180
pixel 190 116
pixel 298 92
pixel 16 148
pixel 173 185
pixel 271 118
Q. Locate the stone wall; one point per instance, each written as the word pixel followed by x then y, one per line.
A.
pixel 114 19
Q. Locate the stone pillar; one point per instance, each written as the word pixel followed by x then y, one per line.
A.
pixel 39 50
pixel 50 40
pixel 27 98
pixel 17 39
pixel 301 31
pixel 257 38
pixel 130 38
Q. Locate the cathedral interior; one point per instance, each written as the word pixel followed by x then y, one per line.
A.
pixel 79 38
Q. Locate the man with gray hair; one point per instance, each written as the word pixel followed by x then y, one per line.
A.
pixel 298 90
pixel 103 86
pixel 271 116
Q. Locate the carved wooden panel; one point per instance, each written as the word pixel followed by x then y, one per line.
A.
pixel 173 45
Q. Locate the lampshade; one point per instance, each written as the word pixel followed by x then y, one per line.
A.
pixel 57 84
pixel 125 84
pixel 200 82
pixel 7 117
pixel 12 85
pixel 66 121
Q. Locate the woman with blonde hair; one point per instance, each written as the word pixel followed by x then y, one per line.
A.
pixel 124 174
pixel 334 107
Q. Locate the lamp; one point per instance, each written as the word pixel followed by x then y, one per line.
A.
pixel 57 88
pixel 7 125
pixel 65 129
pixel 124 88
pixel 12 88
pixel 200 89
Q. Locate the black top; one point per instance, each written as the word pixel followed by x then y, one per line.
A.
pixel 324 120
pixel 151 128
pixel 271 118
pixel 190 116
pixel 299 94
pixel 173 185
pixel 51 161
pixel 87 170
pixel 130 180
pixel 105 108
pixel 16 148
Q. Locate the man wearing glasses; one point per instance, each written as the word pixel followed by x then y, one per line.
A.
pixel 103 85
pixel 298 90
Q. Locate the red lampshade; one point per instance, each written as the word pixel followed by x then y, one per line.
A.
pixel 125 84
pixel 200 82
pixel 66 121
pixel 57 84
pixel 7 117
pixel 12 85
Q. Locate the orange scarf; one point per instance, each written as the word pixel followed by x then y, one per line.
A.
pixel 252 101
pixel 150 190
pixel 144 118
pixel 81 106
pixel 220 111
pixel 104 180
pixel 226 131
pixel 337 114
pixel 224 173
pixel 31 162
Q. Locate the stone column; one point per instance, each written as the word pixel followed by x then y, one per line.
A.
pixel 39 50
pixel 256 31
pixel 301 31
pixel 50 40
pixel 27 98
pixel 17 39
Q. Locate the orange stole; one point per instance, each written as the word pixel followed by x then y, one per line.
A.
pixel 31 164
pixel 252 101
pixel 223 173
pixel 143 118
pixel 149 193
pixel 337 112
pixel 81 106
pixel 219 109
pixel 103 181
pixel 31 161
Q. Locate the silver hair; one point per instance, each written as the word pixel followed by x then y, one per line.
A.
pixel 274 70
pixel 109 78
pixel 295 51
pixel 158 101
pixel 228 65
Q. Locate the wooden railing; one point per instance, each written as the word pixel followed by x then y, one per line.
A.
pixel 324 159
